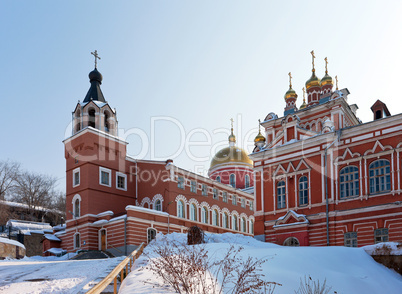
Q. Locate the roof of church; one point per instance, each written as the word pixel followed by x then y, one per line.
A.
pixel 95 92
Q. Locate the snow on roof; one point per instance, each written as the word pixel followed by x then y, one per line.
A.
pixel 22 205
pixel 12 242
pixel 59 227
pixel 51 237
pixel 118 218
pixel 139 208
pixel 384 248
pixel 100 222
pixel 56 251
pixel 27 227
pixel 109 212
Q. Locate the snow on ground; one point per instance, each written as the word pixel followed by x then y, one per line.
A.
pixel 51 274
pixel 347 270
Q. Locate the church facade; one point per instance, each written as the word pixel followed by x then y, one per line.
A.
pixel 114 202
pixel 322 177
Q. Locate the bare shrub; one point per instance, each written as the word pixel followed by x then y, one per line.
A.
pixel 188 269
pixel 195 235
pixel 309 286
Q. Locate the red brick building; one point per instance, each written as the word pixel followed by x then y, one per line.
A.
pixel 322 177
pixel 115 202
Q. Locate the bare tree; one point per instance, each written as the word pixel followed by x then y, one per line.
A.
pixel 34 190
pixel 9 171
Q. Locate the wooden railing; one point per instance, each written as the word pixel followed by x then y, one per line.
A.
pixel 119 269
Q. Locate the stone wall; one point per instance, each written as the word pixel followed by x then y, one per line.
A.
pixel 11 251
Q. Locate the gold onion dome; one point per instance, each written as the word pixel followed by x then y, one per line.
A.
pixel 313 81
pixel 231 155
pixel 290 94
pixel 326 80
pixel 259 138
pixel 304 105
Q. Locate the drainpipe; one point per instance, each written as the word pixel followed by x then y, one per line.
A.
pixel 326 184
pixel 125 236
pixel 136 180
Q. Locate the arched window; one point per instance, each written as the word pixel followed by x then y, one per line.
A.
pixel 91 118
pixel 349 182
pixel 76 206
pixel 243 225
pixel 232 180
pixel 215 220
pixel 77 241
pixel 281 194
pixel 225 220
pixel 303 191
pixel 251 227
pixel 180 209
pixel 151 234
pixel 193 212
pixel 291 241
pixel 247 181
pixel 234 223
pixel 218 179
pixel 158 205
pixel 204 215
pixel 380 178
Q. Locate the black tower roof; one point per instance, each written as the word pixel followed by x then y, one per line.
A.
pixel 95 92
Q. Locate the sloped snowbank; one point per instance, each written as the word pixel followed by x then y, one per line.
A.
pixel 347 270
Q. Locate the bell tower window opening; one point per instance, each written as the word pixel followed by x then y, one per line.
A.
pixel 106 121
pixel 77 121
pixel 91 118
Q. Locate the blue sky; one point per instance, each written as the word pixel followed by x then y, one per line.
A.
pixel 197 62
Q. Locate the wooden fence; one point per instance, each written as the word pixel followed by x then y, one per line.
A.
pixel 119 269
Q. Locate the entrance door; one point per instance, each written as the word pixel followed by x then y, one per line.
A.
pixel 103 239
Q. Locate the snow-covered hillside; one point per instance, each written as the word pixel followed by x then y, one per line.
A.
pixel 346 270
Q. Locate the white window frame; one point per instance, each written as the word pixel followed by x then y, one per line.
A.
pixel 225 197
pixel 204 190
pixel 204 215
pixel 156 205
pixel 215 194
pixel 215 217
pixel 106 170
pixel 350 239
pixel 151 229
pixel 180 182
pixel 181 210
pixel 193 212
pixel 76 171
pixel 193 186
pixel 119 174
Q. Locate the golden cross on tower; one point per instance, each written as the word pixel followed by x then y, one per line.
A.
pixel 336 79
pixel 290 79
pixel 231 122
pixel 313 56
pixel 326 65
pixel 95 53
pixel 259 125
pixel 304 93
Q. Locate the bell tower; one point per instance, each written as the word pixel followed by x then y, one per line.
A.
pixel 94 111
